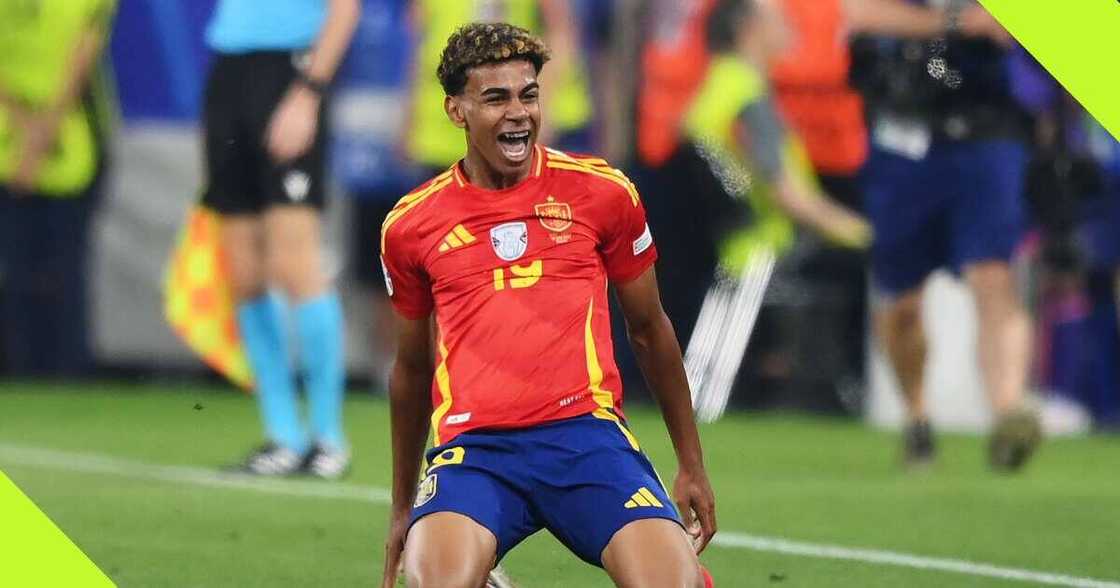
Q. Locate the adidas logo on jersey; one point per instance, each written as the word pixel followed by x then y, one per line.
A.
pixel 458 237
pixel 643 497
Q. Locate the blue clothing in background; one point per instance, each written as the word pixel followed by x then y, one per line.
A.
pixel 241 26
pixel 962 203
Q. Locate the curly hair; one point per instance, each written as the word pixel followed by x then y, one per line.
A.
pixel 481 43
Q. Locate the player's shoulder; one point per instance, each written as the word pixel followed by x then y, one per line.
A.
pixel 417 204
pixel 414 207
pixel 600 178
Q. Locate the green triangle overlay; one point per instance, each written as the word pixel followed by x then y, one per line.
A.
pixel 36 553
pixel 1077 41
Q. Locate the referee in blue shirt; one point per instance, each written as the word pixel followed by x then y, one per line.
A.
pixel 264 138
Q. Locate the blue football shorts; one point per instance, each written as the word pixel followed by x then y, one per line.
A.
pixel 580 478
pixel 960 204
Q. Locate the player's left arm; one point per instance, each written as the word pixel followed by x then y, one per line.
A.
pixel 292 128
pixel 659 356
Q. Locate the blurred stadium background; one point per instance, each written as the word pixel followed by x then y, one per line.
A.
pixel 123 455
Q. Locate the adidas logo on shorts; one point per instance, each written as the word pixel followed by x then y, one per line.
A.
pixel 643 497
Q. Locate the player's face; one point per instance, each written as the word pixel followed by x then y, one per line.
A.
pixel 500 109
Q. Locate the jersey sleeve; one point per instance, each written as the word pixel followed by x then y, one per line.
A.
pixel 627 246
pixel 406 282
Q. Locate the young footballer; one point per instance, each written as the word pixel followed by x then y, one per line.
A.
pixel 499 268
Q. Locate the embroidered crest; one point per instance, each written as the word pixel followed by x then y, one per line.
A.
pixel 510 240
pixel 554 216
pixel 425 492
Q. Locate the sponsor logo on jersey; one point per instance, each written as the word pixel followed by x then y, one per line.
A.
pixel 510 240
pixel 554 216
pixel 457 419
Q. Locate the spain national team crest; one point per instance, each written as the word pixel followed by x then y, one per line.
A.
pixel 554 216
pixel 425 492
pixel 510 240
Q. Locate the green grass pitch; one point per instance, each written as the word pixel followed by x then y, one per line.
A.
pixel 817 481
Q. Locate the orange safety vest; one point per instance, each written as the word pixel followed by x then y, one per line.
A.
pixel 674 63
pixel 810 84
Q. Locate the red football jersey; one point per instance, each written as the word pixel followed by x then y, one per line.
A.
pixel 518 282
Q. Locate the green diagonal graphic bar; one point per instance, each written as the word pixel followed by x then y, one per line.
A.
pixel 1077 41
pixel 34 552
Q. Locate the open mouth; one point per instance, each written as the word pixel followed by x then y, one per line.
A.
pixel 514 145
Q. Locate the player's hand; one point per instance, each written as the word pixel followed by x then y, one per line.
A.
pixel 291 131
pixel 394 547
pixel 37 134
pixel 697 504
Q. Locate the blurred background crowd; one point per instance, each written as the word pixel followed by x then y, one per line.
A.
pixel 83 245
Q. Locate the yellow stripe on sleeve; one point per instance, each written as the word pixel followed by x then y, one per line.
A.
pixel 410 202
pixel 588 169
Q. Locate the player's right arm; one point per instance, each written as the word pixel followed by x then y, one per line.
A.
pixel 410 406
pixel 410 403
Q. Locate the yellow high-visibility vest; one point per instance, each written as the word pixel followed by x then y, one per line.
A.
pixel 731 85
pixel 37 40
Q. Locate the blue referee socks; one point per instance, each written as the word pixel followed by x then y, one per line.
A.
pixel 264 332
pixel 320 334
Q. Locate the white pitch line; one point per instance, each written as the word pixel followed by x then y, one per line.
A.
pixel 103 464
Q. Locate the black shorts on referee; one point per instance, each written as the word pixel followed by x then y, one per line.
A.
pixel 242 92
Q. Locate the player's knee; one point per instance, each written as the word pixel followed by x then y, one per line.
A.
pixel 686 574
pixel 430 576
pixel 654 553
pixel 443 572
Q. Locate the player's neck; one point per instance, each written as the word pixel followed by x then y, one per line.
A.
pixel 482 175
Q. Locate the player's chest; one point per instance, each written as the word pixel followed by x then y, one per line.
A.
pixel 512 245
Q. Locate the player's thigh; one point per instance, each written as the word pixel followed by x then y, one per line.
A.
pixel 294 253
pixel 651 553
pixel 242 247
pixel 448 549
pixel 482 482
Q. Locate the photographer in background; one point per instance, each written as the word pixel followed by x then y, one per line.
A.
pixel 945 189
